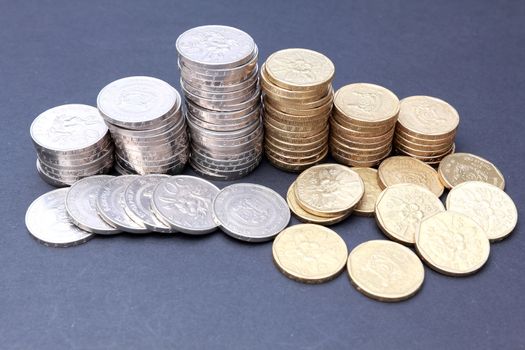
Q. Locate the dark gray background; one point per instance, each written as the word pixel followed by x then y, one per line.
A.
pixel 214 292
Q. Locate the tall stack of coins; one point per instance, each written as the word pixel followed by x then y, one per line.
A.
pixel 71 142
pixel 298 97
pixel 363 123
pixel 145 120
pixel 219 79
pixel 426 129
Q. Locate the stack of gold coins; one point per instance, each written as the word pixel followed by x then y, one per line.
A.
pixel 426 129
pixel 298 97
pixel 363 123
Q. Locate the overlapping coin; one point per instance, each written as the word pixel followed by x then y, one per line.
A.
pixel 457 168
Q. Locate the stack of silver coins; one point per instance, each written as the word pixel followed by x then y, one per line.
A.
pixel 219 79
pixel 71 142
pixel 145 120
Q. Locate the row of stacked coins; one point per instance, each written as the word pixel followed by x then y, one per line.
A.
pixel 71 142
pixel 145 120
pixel 363 123
pixel 219 79
pixel 426 129
pixel 298 98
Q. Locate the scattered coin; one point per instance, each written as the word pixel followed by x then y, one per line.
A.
pixel 366 206
pixel 457 168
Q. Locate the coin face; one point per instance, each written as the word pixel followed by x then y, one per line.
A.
pixel 401 208
pixel 401 169
pixel 452 243
pixel 81 205
pixel 486 204
pixel 329 189
pixel 457 168
pixel 185 203
pixel 309 253
pixel 250 212
pixel 384 270
pixel 48 222
pixel 366 205
pixel 427 115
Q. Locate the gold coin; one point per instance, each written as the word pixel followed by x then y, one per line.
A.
pixel 301 104
pixel 292 137
pixel 358 144
pixel 360 156
pixel 299 69
pixel 290 158
pixel 429 159
pixel 460 167
pixel 422 140
pixel 276 130
pixel 366 206
pixel 486 204
pixel 299 144
pixel 278 92
pixel 294 165
pixel 402 169
pixel 309 253
pixel 322 110
pixel 295 151
pixel 401 208
pixel 347 134
pixel 422 147
pixel 422 151
pixel 355 163
pixel 312 127
pixel 359 150
pixel 348 123
pixel 386 271
pixel 313 121
pixel 329 189
pixel 452 243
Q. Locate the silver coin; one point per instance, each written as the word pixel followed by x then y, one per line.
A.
pixel 112 207
pixel 250 212
pixel 223 175
pixel 218 86
pixel 81 205
pixel 185 203
pixel 249 66
pixel 48 222
pixel 62 180
pixel 225 105
pixel 248 91
pixel 228 77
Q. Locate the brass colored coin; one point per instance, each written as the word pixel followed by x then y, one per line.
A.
pixel 299 145
pixel 294 152
pixel 355 163
pixel 286 157
pixel 278 92
pixel 282 103
pixel 345 133
pixel 452 243
pixel 360 157
pixel 402 169
pixel 422 152
pixel 424 141
pixel 289 109
pixel 276 113
pixel 358 144
pixel 366 206
pixel 349 124
pixel 430 159
pixel 309 253
pixel 359 151
pixel 294 127
pixel 360 134
pixel 386 271
pixel 401 208
pixel 329 189
pixel 292 137
pixel 275 130
pixel 422 148
pixel 486 204
pixel 294 165
pixel 457 168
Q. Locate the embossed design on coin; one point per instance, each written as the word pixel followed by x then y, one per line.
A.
pixel 452 243
pixel 309 253
pixel 486 204
pixel 366 205
pixel 386 271
pixel 461 167
pixel 428 115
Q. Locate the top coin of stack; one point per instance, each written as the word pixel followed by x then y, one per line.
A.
pixel 219 79
pixel 71 142
pixel 363 123
pixel 145 120
pixel 426 129
pixel 298 97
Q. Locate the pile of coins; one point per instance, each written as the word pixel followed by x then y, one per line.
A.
pixel 146 123
pixel 363 124
pixel 71 142
pixel 426 129
pixel 219 79
pixel 298 96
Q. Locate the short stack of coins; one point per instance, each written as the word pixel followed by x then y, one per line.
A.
pixel 426 129
pixel 219 79
pixel 72 142
pixel 145 120
pixel 363 123
pixel 298 98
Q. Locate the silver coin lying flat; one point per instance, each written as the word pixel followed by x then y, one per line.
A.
pixel 138 196
pixel 112 208
pixel 48 222
pixel 81 205
pixel 185 202
pixel 250 212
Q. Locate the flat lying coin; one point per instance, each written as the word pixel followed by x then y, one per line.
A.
pixel 400 209
pixel 250 212
pixel 386 271
pixel 453 244
pixel 461 167
pixel 48 222
pixel 81 205
pixel 486 204
pixel 309 253
pixel 185 203
pixel 366 206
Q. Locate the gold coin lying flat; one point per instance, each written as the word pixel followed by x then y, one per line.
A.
pixel 386 271
pixel 486 204
pixel 401 208
pixel 329 189
pixel 452 243
pixel 309 253
pixel 402 169
pixel 460 167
